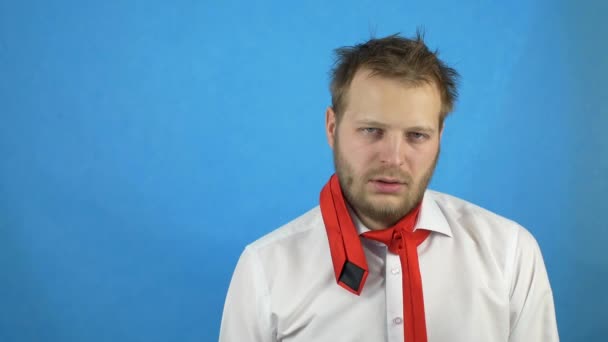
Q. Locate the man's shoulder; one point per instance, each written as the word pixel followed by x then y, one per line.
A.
pixel 305 225
pixel 463 208
pixel 471 216
pixel 481 227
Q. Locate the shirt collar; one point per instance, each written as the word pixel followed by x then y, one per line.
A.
pixel 430 218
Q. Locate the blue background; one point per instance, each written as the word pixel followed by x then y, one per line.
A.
pixel 144 143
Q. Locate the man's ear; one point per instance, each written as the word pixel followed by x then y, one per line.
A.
pixel 330 126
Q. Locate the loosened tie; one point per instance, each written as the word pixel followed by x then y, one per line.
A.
pixel 404 243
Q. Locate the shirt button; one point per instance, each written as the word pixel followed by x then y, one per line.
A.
pixel 397 320
pixel 395 271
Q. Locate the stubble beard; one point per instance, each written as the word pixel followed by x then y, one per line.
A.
pixel 387 214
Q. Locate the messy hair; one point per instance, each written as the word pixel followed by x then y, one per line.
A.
pixel 395 57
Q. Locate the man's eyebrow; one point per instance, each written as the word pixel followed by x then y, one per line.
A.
pixel 422 129
pixel 372 123
pixel 378 124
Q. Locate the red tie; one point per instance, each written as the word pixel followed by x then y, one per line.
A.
pixel 349 262
pixel 405 242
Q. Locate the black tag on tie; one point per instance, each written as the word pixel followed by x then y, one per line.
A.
pixel 351 275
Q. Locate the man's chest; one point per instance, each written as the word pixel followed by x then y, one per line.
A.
pixel 464 300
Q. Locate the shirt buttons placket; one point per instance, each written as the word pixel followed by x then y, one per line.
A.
pixel 397 320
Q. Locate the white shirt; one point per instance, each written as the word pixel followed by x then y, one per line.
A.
pixel 483 278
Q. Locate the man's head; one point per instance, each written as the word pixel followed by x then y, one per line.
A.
pixel 390 97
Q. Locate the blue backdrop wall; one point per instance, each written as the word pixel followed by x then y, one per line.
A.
pixel 143 144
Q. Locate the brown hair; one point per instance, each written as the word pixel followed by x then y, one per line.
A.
pixel 396 57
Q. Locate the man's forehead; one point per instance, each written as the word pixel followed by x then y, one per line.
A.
pixel 376 98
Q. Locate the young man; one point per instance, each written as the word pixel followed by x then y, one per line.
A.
pixel 382 258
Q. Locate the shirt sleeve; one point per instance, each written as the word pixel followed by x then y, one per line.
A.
pixel 532 312
pixel 246 314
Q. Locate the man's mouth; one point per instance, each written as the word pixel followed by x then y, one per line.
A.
pixel 388 180
pixel 387 185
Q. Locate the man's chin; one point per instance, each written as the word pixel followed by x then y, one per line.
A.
pixel 380 200
pixel 388 208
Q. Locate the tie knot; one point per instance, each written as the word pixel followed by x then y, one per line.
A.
pixel 395 245
pixel 395 238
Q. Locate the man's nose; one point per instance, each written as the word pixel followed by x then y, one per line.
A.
pixel 392 150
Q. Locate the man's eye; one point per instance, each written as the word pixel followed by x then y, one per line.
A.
pixel 416 136
pixel 370 130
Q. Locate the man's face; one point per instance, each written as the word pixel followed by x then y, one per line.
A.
pixel 385 146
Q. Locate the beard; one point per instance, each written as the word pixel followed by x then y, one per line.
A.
pixel 354 189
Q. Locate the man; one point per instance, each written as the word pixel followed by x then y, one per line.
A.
pixel 382 258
